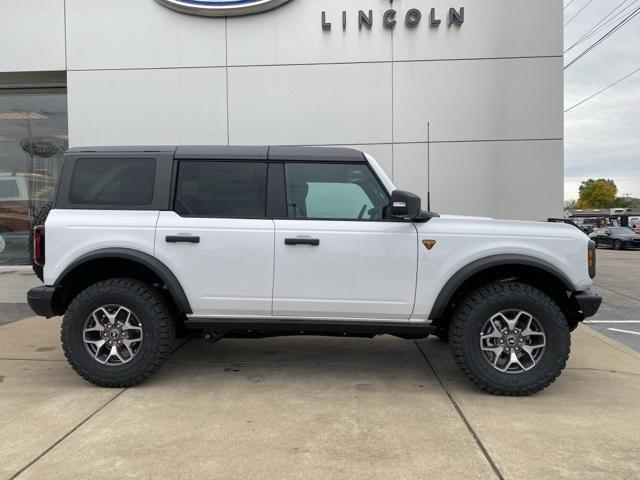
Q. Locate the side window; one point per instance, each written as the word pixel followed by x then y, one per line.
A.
pixel 334 191
pixel 221 189
pixel 113 181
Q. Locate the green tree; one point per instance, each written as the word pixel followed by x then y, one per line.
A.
pixel 600 193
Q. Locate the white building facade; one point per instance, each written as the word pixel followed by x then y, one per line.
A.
pixel 486 75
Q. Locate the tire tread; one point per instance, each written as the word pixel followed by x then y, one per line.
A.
pixel 157 309
pixel 480 299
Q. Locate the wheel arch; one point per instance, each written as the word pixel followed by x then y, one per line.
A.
pixel 531 270
pixel 120 262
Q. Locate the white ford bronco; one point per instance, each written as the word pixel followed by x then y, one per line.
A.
pixel 143 245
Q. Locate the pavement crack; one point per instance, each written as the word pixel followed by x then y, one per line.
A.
pixel 457 408
pixel 178 347
pixel 616 292
pixel 33 359
pixel 66 435
pixel 603 370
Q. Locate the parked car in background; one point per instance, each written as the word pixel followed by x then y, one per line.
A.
pixel 587 225
pixel 20 194
pixel 14 203
pixel 616 238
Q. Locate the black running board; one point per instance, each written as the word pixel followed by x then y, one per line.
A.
pixel 215 328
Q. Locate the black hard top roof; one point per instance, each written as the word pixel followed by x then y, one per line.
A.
pixel 224 152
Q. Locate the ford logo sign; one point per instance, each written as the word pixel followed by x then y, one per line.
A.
pixel 221 8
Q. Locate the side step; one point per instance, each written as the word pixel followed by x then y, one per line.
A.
pixel 216 328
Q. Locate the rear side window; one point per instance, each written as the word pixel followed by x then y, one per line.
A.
pixel 111 181
pixel 221 189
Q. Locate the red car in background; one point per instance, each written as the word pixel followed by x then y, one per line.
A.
pixel 19 194
pixel 14 203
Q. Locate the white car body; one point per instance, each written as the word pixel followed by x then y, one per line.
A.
pixel 146 244
pixel 364 271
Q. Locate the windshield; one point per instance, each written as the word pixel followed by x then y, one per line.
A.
pixel 621 231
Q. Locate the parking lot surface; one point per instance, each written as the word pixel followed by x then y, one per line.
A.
pixel 325 408
pixel 618 281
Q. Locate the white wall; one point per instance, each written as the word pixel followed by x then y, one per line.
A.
pixel 32 35
pixel 491 89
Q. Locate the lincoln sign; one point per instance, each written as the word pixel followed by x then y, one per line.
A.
pixel 390 18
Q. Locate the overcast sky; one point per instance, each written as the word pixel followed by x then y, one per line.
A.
pixel 602 136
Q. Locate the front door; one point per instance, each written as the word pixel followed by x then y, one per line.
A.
pixel 337 254
pixel 604 237
pixel 217 240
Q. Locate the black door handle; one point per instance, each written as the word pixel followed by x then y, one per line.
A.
pixel 182 239
pixel 302 241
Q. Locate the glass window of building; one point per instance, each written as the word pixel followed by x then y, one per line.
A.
pixel 33 138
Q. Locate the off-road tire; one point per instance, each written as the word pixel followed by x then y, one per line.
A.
pixel 477 308
pixel 38 218
pixel 151 310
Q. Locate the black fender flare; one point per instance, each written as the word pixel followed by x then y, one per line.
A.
pixel 477 266
pixel 156 266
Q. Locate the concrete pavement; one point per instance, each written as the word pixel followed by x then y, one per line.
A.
pixel 14 283
pixel 312 407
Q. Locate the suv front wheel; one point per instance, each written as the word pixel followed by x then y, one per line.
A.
pixel 510 339
pixel 117 332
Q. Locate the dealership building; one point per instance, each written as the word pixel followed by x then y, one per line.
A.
pixel 461 101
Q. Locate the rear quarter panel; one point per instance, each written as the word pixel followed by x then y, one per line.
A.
pixel 73 233
pixel 460 241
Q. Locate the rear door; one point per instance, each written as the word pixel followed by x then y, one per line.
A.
pixel 217 239
pixel 337 255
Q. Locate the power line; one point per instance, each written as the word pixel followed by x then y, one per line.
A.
pixel 612 20
pixel 578 12
pixel 567 5
pixel 623 22
pixel 602 90
pixel 600 24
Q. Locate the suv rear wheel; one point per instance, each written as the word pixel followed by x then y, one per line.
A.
pixel 117 332
pixel 510 339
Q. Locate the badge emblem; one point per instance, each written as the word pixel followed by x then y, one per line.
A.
pixel 221 8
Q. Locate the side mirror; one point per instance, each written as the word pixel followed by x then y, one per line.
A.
pixel 404 204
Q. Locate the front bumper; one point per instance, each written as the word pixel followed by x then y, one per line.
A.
pixel 42 301
pixel 588 303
